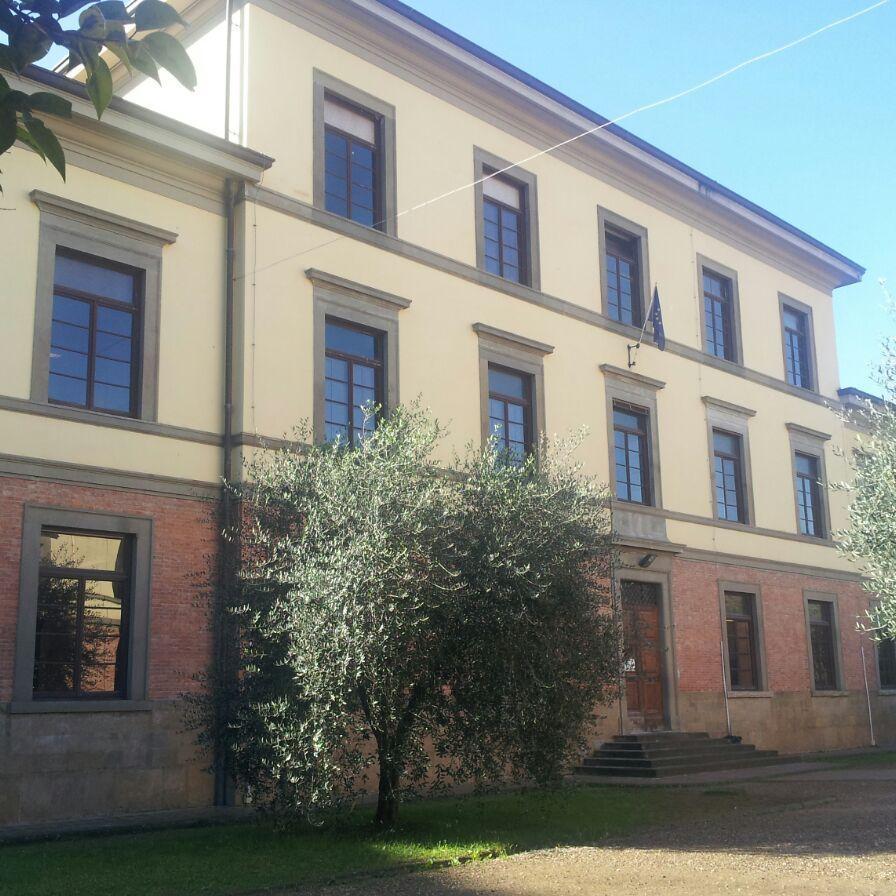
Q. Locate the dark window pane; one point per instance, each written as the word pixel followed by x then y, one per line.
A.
pixel 71 311
pixel 97 279
pixel 336 186
pixel 67 390
pixel 69 336
pixel 505 382
pixel 336 145
pixel 113 346
pixel 109 320
pixel 886 663
pixel 350 341
pixel 821 627
pixel 73 364
pixel 336 205
pixel 725 443
pixel 623 278
pixel 111 398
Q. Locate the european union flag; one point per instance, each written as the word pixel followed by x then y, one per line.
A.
pixel 656 318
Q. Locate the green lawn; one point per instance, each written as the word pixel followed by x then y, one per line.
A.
pixel 242 858
pixel 877 759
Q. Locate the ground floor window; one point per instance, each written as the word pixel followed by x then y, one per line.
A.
pixel 886 663
pixel 83 620
pixel 83 600
pixel 740 628
pixel 823 639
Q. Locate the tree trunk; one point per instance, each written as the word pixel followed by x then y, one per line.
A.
pixel 387 797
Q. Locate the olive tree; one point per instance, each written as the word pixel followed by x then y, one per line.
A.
pixel 134 34
pixel 870 539
pixel 406 626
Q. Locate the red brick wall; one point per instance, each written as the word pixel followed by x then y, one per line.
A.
pixel 183 560
pixel 695 603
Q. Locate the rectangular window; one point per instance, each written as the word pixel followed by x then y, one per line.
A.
pixel 631 453
pixel 95 334
pixel 808 495
pixel 740 628
pixel 718 317
pixel 510 411
pixel 823 642
pixel 797 359
pixel 729 476
pixel 83 604
pixel 623 277
pixel 353 381
pixel 504 228
pixel 352 161
pixel 886 664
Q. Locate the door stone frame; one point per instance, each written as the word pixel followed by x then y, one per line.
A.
pixel 659 573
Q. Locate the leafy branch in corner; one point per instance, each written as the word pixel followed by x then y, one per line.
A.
pixel 135 36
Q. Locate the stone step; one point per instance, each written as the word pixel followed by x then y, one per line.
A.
pixel 698 760
pixel 610 751
pixel 629 771
pixel 660 736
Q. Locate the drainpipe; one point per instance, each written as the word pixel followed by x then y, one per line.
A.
pixel 224 672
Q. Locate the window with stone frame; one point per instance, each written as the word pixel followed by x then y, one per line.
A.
pixel 823 641
pixel 741 634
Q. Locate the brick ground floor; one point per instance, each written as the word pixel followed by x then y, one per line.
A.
pixel 122 745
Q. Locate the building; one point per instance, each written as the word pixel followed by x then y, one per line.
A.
pixel 137 371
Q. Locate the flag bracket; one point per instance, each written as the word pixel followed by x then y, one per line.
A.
pixel 632 347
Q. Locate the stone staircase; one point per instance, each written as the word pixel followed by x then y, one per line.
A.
pixel 659 754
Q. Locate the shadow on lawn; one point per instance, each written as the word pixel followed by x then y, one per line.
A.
pixel 759 818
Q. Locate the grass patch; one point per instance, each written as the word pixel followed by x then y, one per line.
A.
pixel 877 759
pixel 225 860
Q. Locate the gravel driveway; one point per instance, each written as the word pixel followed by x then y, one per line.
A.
pixel 808 837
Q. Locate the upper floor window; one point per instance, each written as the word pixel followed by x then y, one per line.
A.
pixel 623 278
pixel 353 381
pixel 718 315
pixel 95 335
pixel 504 229
pixel 728 470
pixel 351 163
pixel 823 644
pixel 83 603
pixel 631 453
pixel 886 663
pixel 510 411
pixel 808 495
pixel 797 347
pixel 740 631
pixel 506 220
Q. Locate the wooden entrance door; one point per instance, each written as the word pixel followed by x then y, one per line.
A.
pixel 643 662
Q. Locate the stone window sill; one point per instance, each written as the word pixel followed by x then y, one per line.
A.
pixel 887 692
pixel 739 694
pixel 66 706
pixel 830 693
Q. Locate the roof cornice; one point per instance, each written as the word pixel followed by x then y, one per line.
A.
pixel 129 123
pixel 836 267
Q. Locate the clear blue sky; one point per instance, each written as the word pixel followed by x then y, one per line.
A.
pixel 809 134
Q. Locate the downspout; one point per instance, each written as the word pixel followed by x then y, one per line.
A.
pixel 223 791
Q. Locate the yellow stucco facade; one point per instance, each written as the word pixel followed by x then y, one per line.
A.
pixel 160 179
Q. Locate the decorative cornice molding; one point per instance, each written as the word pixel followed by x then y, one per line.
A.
pixel 357 290
pixel 539 116
pixel 728 407
pixel 305 212
pixel 94 217
pixel 798 429
pixel 95 418
pixel 106 478
pixel 620 373
pixel 521 342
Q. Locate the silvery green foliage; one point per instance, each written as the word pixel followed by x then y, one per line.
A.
pixel 415 626
pixel 870 540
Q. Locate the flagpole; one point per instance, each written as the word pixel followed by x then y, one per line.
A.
pixel 637 345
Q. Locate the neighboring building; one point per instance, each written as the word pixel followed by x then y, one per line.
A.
pixel 514 301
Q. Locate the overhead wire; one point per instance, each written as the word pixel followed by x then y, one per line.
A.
pixel 645 108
